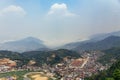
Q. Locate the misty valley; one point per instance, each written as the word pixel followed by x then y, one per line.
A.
pixel 59 39
pixel 31 59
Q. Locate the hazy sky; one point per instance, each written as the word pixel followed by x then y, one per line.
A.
pixel 57 21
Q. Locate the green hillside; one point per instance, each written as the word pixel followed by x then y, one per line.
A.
pixel 41 57
pixel 110 55
pixel 113 73
pixel 50 57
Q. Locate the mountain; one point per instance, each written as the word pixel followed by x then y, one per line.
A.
pixel 92 40
pixel 98 37
pixel 26 44
pixel 73 45
pixel 107 43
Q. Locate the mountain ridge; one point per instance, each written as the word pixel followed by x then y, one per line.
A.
pixel 107 43
pixel 22 45
pixel 91 42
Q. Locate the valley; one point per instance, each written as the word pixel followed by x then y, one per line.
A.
pixel 85 61
pixel 69 68
pixel 59 39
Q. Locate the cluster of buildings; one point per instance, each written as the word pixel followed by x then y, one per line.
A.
pixel 78 69
pixel 73 69
pixel 7 65
pixel 69 69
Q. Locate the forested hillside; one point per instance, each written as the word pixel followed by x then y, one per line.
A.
pixel 41 57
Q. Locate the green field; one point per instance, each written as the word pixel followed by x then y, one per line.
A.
pixel 19 74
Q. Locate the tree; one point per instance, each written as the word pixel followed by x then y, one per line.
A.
pixel 116 74
pixel 109 79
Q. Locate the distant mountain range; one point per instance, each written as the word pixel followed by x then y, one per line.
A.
pixel 23 45
pixel 98 37
pixel 107 43
pixel 96 42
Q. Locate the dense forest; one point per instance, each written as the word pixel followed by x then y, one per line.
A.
pixel 110 55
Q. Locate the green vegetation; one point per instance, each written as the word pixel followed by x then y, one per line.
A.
pixel 113 73
pixel 41 57
pixel 110 55
pixel 18 74
pixel 50 57
pixel 21 60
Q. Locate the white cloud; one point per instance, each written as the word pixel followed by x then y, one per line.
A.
pixel 12 10
pixel 60 10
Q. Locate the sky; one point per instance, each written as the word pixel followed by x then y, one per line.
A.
pixel 57 22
